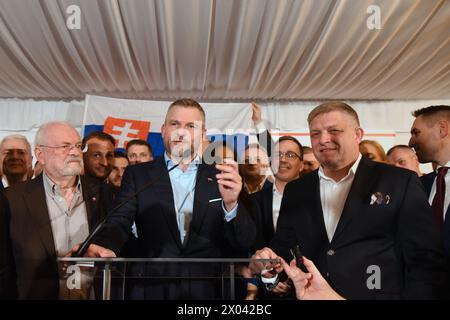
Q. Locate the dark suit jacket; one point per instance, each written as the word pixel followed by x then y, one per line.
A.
pixel 7 288
pixel 427 181
pixel 399 235
pixel 262 212
pixel 32 237
pixel 210 236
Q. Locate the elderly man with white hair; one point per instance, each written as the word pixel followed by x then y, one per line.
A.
pixel 51 213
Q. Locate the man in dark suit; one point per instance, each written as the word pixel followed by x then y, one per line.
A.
pixel 7 288
pixel 367 226
pixel 286 164
pixel 50 214
pixel 190 212
pixel 430 138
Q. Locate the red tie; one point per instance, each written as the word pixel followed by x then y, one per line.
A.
pixel 438 200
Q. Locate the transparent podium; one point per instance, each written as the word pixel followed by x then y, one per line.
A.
pixel 155 278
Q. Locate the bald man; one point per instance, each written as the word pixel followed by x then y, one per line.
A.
pixel 404 156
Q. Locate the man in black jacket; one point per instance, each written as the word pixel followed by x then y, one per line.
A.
pixel 189 212
pixel 367 226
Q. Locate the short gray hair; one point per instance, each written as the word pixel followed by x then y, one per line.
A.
pixel 16 137
pixel 40 137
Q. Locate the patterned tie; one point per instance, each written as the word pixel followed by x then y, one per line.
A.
pixel 438 200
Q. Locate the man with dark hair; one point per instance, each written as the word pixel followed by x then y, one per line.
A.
pixel 190 212
pixel 99 156
pixel 139 151
pixel 287 163
pixel 403 156
pixel 366 225
pixel 119 165
pixel 430 138
pixel 310 162
pixel 256 168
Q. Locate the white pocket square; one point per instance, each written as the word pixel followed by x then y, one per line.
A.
pixel 379 198
pixel 214 200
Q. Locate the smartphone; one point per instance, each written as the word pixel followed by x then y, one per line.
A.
pixel 298 256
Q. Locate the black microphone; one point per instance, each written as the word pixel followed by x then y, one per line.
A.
pixel 298 256
pixel 86 243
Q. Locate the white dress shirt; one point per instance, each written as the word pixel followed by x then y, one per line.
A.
pixel 333 195
pixel 447 191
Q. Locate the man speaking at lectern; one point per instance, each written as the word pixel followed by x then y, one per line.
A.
pixel 190 212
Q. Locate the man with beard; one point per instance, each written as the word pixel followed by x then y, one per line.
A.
pixel 99 156
pixel 430 138
pixel 366 225
pixel 15 158
pixel 190 212
pixel 50 214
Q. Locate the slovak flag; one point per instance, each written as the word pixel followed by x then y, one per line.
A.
pixel 128 119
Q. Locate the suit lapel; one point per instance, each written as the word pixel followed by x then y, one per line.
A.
pixel 165 193
pixel 204 186
pixel 316 208
pixel 91 197
pixel 361 186
pixel 427 182
pixel 267 195
pixel 35 200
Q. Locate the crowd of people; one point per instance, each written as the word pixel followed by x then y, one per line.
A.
pixel 369 224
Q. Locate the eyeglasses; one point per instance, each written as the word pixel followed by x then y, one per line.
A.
pixel 288 155
pixel 66 147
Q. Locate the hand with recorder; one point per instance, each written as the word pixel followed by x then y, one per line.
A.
pixel 307 280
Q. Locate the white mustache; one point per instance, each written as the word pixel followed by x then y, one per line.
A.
pixel 77 159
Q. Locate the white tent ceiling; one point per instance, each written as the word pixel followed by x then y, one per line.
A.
pixel 225 49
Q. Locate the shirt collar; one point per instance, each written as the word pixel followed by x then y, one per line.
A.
pixel 350 173
pixel 193 165
pixel 53 189
pixel 438 166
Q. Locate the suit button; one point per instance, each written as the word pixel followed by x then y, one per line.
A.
pixel 331 252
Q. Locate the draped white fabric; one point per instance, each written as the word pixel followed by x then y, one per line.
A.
pixel 225 49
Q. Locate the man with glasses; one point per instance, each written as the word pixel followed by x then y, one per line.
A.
pixel 50 214
pixel 287 163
